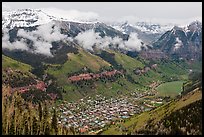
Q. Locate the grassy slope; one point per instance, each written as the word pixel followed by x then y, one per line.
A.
pixel 167 68
pixel 127 62
pixel 75 63
pixel 171 68
pixel 130 64
pixel 11 63
pixel 85 59
pixel 21 74
pixel 138 121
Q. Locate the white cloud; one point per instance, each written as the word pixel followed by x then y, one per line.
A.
pixel 46 34
pixel 11 46
pixel 42 39
pixel 42 48
pixel 133 42
pixel 89 38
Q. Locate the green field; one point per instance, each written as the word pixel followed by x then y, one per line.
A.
pixel 170 88
pixel 8 62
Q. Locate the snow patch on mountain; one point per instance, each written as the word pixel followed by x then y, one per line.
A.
pixel 178 44
pixel 149 28
pixel 25 18
pixel 34 17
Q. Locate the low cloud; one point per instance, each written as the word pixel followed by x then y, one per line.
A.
pixel 45 34
pixel 89 38
pixel 133 43
pixel 20 45
pixel 42 39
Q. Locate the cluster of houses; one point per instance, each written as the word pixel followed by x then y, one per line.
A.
pixel 89 76
pixel 140 71
pixel 91 115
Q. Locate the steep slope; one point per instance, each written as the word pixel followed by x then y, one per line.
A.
pixel 165 70
pixel 29 33
pixel 11 63
pixel 19 78
pixel 77 62
pixel 30 17
pixel 84 63
pixel 24 18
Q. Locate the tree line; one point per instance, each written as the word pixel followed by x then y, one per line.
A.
pixel 20 117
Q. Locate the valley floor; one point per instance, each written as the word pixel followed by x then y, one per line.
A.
pixel 92 114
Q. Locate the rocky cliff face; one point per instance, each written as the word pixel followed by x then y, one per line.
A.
pixel 182 42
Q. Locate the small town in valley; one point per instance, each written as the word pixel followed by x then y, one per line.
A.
pixel 91 114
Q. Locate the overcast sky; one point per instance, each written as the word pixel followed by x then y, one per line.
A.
pixel 119 10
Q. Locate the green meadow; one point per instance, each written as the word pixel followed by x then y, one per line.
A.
pixel 171 89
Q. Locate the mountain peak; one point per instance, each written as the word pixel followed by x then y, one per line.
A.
pixel 25 18
pixel 195 26
pixel 32 17
pixel 175 28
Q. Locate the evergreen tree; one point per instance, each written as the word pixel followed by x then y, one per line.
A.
pixel 22 118
pixel 35 126
pixel 25 120
pixel 47 130
pixel 40 111
pixel 54 122
pixel 72 129
pixel 12 127
pixel 45 117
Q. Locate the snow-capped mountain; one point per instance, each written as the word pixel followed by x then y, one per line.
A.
pixel 30 18
pixel 194 26
pixel 183 42
pixel 35 30
pixel 25 18
pixel 39 33
pixel 146 27
pixel 148 32
pixel 152 27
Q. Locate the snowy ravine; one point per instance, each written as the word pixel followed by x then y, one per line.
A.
pixel 146 27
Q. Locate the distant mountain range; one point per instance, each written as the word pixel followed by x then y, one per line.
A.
pixel 148 32
pixel 36 26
